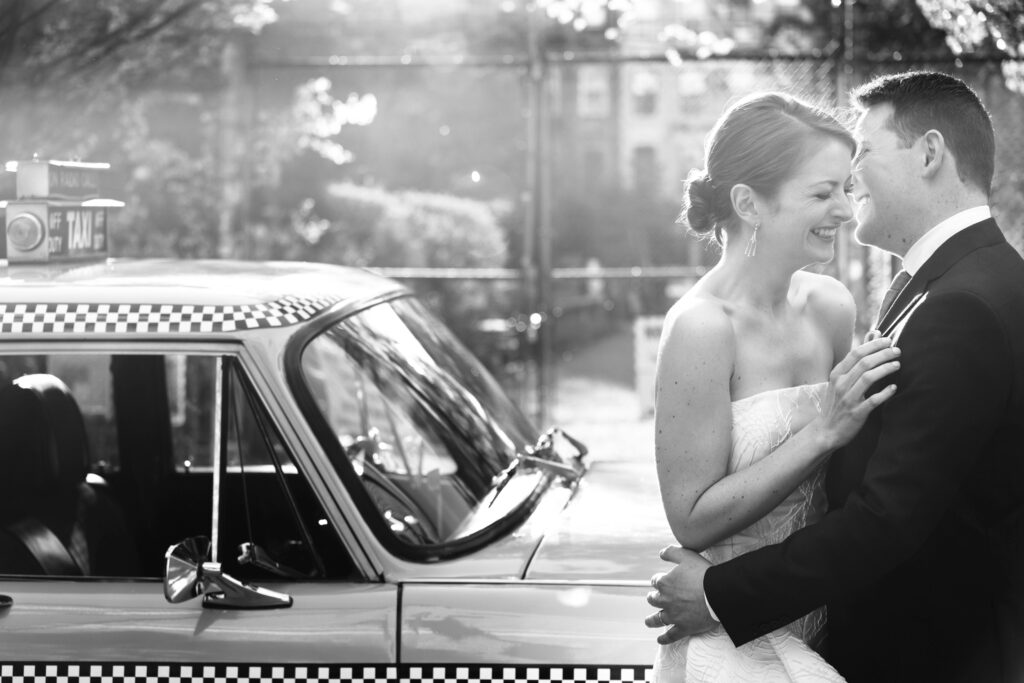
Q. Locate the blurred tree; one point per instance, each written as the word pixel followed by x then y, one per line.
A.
pixel 590 24
pixel 370 226
pixel 171 201
pixel 619 228
pixel 881 28
pixel 941 29
pixel 993 27
pixel 159 89
pixel 66 66
pixel 135 84
pixel 466 127
pixel 373 227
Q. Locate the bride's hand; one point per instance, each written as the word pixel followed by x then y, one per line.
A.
pixel 845 407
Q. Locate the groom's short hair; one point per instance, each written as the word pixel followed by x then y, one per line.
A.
pixel 926 100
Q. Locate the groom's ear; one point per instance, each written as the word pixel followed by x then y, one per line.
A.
pixel 933 153
pixel 744 203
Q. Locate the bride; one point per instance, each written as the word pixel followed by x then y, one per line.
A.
pixel 756 382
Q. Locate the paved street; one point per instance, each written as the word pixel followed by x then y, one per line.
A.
pixel 595 400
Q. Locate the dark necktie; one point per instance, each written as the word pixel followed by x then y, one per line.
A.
pixel 898 283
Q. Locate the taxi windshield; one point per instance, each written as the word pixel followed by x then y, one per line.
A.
pixel 418 421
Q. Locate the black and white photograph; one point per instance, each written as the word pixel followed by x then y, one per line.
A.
pixel 494 341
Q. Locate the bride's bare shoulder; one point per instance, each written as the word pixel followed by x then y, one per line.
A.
pixel 697 351
pixel 698 320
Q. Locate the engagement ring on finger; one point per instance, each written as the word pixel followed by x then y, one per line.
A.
pixel 661 617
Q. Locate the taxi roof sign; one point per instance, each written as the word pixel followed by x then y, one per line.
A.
pixel 51 179
pixel 58 214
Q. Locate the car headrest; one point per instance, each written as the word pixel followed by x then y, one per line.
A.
pixel 43 444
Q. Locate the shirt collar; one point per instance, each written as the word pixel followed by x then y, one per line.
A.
pixel 929 242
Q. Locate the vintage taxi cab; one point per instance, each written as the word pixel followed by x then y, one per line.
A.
pixel 216 470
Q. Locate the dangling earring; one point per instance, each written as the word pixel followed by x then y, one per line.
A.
pixel 752 243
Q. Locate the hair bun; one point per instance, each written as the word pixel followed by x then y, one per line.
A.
pixel 698 205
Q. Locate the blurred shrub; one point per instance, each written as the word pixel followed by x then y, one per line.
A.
pixel 356 225
pixel 371 226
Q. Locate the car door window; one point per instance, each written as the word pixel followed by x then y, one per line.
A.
pixel 109 459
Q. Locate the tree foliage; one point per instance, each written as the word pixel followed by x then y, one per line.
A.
pixel 374 227
pixel 989 26
pixel 129 83
pixel 67 66
pixel 147 86
pixel 371 226
pixel 880 30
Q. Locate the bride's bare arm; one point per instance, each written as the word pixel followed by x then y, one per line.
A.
pixel 693 427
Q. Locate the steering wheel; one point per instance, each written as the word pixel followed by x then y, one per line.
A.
pixel 401 512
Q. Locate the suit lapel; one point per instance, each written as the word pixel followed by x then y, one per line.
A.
pixel 983 234
pixel 846 472
pixel 897 316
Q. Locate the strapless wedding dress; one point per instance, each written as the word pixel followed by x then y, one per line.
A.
pixel 760 423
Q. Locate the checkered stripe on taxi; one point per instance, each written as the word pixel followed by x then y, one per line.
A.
pixel 315 673
pixel 166 318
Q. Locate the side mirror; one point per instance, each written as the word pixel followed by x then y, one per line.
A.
pixel 188 575
pixel 183 567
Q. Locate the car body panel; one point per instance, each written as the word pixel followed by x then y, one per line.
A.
pixel 129 621
pixel 486 623
pixel 612 530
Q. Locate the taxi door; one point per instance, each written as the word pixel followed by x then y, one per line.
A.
pixel 181 447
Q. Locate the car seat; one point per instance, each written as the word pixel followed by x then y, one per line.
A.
pixel 54 522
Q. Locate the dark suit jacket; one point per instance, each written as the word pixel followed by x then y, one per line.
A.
pixel 921 557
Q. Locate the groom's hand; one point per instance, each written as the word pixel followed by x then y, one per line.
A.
pixel 679 595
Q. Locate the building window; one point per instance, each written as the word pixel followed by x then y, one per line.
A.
pixel 593 92
pixel 644 92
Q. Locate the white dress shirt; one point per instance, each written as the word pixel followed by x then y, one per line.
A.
pixel 922 250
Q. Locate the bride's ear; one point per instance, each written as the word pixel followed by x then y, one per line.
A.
pixel 744 203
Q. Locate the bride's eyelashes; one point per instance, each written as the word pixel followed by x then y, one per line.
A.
pixel 825 196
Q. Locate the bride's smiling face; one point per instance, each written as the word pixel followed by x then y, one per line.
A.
pixel 802 221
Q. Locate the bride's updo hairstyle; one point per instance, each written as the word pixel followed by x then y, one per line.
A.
pixel 759 141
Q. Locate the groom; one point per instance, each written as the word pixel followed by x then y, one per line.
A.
pixel 921 557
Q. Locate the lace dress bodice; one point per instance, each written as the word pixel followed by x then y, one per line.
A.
pixel 760 424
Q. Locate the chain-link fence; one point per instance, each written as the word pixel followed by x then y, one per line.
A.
pixel 594 150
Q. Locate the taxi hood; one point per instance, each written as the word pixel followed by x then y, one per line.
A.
pixel 612 529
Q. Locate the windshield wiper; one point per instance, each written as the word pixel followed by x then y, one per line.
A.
pixel 544 456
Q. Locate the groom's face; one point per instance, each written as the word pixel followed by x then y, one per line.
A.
pixel 882 177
